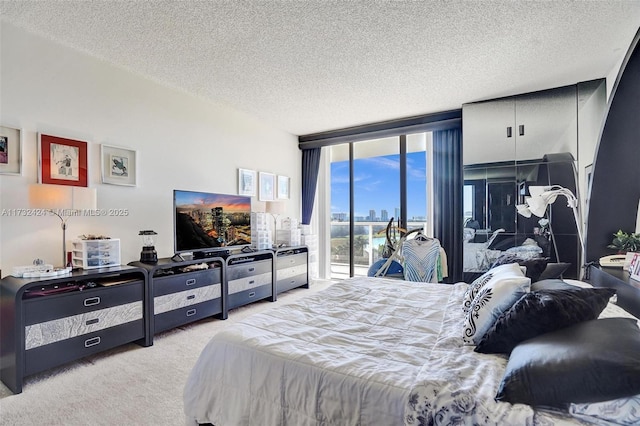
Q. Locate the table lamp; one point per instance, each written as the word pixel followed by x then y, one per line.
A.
pixel 62 201
pixel 275 209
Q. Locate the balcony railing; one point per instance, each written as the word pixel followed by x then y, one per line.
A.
pixel 369 241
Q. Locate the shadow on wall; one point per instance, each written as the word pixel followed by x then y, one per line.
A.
pixel 615 186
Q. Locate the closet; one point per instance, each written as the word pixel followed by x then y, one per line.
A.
pixel 539 138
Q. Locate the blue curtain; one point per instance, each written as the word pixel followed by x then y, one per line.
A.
pixel 447 197
pixel 310 167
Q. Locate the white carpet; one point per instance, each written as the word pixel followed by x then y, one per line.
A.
pixel 129 385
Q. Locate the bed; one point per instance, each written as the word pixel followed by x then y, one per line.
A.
pixel 366 351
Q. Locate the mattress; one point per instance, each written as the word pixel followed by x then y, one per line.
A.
pixel 365 351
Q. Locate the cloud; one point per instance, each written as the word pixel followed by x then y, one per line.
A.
pixel 383 162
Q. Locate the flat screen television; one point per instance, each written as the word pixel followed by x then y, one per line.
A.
pixel 207 222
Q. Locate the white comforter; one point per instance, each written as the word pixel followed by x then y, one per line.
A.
pixel 365 351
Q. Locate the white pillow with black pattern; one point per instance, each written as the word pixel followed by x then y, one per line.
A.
pixel 502 271
pixel 494 298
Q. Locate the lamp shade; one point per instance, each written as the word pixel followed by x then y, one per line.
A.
pixel 537 191
pixel 258 206
pixel 538 205
pixel 523 210
pixel 53 197
pixel 276 207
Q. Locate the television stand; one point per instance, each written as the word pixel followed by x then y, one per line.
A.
pixel 180 294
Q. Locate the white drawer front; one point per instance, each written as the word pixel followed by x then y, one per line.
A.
pixel 247 283
pixel 170 302
pixel 285 273
pixel 56 330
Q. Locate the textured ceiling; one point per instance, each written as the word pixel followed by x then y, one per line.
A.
pixel 311 66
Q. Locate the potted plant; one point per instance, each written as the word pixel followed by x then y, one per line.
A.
pixel 624 243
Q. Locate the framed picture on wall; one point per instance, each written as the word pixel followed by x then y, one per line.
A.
pixel 247 182
pixel 119 165
pixel 283 187
pixel 267 186
pixel 10 151
pixel 62 161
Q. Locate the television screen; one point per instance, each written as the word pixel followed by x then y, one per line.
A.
pixel 206 221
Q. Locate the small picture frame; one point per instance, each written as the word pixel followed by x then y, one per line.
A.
pixel 247 182
pixel 119 165
pixel 283 187
pixel 267 186
pixel 634 268
pixel 62 161
pixel 10 151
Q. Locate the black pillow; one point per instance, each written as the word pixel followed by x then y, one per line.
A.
pixel 540 312
pixel 591 361
pixel 551 284
pixel 534 266
pixel 554 270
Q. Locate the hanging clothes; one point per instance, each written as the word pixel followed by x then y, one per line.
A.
pixel 423 260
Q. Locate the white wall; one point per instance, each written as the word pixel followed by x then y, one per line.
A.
pixel 183 142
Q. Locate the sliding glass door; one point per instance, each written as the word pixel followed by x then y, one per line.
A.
pixel 373 183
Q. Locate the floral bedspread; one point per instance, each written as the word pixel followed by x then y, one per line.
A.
pixel 365 351
pixel 457 385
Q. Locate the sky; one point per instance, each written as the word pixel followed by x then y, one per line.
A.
pixel 377 185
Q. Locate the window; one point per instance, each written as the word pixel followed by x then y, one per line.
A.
pixel 371 183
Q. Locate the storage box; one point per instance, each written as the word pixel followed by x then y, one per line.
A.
pixel 259 221
pixel 290 223
pixel 91 254
pixel 260 240
pixel 288 237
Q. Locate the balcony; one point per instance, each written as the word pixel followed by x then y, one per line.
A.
pixel 369 241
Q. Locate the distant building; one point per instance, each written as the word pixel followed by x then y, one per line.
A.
pixel 339 217
pixel 372 215
pixel 384 215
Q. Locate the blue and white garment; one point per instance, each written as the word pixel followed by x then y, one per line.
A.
pixel 421 259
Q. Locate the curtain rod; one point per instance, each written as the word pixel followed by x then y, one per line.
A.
pixel 429 122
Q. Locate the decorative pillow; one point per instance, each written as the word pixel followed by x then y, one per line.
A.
pixel 591 361
pixel 540 312
pixel 551 284
pixel 554 270
pixel 492 300
pixel 622 411
pixel 502 271
pixel 534 266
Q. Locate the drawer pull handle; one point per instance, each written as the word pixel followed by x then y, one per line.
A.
pixel 191 312
pixel 191 281
pixel 253 293
pixel 252 282
pixel 193 296
pixel 92 301
pixel 251 269
pixel 292 281
pixel 92 342
pixel 92 321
